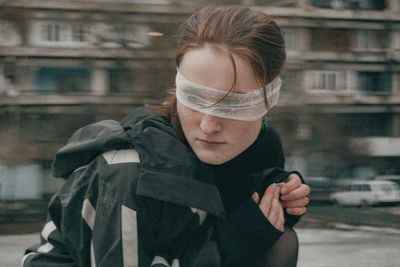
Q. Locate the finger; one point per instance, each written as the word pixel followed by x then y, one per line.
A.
pixel 302 191
pixel 274 201
pixel 297 211
pixel 278 218
pixel 292 182
pixel 273 214
pixel 265 203
pixel 301 202
pixel 281 220
pixel 256 197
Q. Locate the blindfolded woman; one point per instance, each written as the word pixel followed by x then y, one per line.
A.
pixel 196 181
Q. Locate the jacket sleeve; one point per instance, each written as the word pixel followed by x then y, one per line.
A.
pixel 292 220
pixel 50 252
pixel 276 175
pixel 245 232
pixel 53 249
pixel 276 160
pixel 170 233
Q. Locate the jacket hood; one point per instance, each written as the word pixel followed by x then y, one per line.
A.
pixel 87 143
pixel 94 139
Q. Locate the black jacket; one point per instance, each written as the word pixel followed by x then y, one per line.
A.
pixel 136 195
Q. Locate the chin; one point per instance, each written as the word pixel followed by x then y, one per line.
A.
pixel 212 159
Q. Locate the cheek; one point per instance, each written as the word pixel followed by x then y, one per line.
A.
pixel 246 132
pixel 183 112
pixel 187 117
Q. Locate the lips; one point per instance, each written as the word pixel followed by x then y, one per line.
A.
pixel 210 142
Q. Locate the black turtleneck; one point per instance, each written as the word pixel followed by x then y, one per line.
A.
pixel 232 177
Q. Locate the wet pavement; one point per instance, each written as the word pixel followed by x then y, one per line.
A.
pixel 343 245
pixel 349 246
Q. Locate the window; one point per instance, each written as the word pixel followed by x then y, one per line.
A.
pixel 366 4
pixel 292 38
pixel 351 4
pixel 370 40
pixel 365 125
pixel 375 82
pixel 120 81
pixel 356 187
pixel 123 35
pixel 79 33
pixel 322 3
pixel 366 188
pixel 330 40
pixel 289 81
pixel 51 32
pixel 63 80
pixel 63 32
pixel 9 35
pixel 327 81
pixel 160 2
pixel 361 187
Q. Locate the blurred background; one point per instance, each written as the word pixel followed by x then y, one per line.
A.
pixel 67 63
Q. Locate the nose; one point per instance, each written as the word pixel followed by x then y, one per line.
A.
pixel 210 124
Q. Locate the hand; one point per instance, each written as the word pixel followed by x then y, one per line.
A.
pixel 271 207
pixel 294 195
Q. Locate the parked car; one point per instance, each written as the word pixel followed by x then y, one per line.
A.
pixel 365 193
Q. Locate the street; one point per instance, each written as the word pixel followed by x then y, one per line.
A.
pixel 343 245
pixel 322 216
pixel 349 247
pixel 329 236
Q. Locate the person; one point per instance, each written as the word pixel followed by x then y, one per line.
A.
pixel 195 181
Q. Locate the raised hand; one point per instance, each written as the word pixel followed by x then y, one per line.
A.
pixel 294 195
pixel 271 207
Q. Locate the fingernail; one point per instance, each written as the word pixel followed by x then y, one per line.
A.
pixel 255 198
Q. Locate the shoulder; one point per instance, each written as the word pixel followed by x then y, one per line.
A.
pixel 121 156
pixel 120 166
pixel 114 167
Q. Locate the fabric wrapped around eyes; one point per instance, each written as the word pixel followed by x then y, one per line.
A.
pixel 247 106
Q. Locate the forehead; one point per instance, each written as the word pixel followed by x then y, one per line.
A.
pixel 212 67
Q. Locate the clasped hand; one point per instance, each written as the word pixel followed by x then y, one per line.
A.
pixel 291 195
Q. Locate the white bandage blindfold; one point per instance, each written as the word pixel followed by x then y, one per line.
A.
pixel 247 106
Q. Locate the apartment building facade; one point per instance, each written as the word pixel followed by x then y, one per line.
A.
pixel 64 64
pixel 343 57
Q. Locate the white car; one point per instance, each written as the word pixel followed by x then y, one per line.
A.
pixel 365 193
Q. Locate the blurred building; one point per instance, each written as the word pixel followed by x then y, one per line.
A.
pixel 64 64
pixel 343 76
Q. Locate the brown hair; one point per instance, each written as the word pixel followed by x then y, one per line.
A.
pixel 237 30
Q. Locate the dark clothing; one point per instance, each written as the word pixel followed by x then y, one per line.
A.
pixel 136 195
pixel 232 177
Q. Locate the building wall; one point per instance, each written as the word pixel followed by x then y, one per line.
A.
pixel 347 72
pixel 64 64
pixel 20 182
